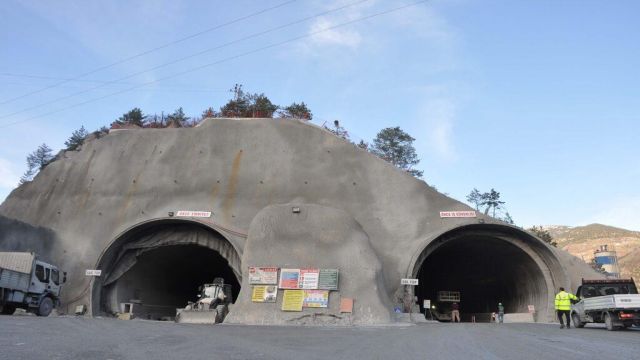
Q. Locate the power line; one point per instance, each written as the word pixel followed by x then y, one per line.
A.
pixel 42 77
pixel 175 61
pixel 152 50
pixel 277 44
pixel 174 88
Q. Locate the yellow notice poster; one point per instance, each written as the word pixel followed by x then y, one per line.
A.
pixel 264 293
pixel 292 300
pixel 257 295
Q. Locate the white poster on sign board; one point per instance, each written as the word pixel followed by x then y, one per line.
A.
pixel 457 214
pixel 309 278
pixel 93 272
pixel 263 275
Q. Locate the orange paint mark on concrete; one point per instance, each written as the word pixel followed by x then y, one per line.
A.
pixel 133 188
pixel 213 193
pixel 230 195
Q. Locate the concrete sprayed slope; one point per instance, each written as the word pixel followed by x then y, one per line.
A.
pixel 234 168
pixel 317 237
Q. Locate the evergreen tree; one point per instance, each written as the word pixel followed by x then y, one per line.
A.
pixel 37 161
pixel 77 139
pixel 132 117
pixel 297 111
pixel 238 106
pixel 209 113
pixel 261 107
pixel 475 198
pixel 492 201
pixel 248 105
pixel 177 118
pixel 396 146
pixel 543 234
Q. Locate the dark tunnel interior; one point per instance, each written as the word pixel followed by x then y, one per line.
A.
pixel 486 271
pixel 168 277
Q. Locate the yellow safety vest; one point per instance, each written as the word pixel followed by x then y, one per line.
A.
pixel 563 300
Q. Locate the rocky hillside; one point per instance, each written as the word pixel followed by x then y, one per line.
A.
pixel 582 241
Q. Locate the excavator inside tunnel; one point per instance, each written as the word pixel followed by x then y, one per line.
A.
pixel 486 269
pixel 155 270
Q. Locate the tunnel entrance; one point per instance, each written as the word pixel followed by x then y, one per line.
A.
pixel 486 268
pixel 167 278
pixel 156 268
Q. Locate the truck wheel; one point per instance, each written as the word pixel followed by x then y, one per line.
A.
pixel 608 321
pixel 221 313
pixel 576 320
pixel 8 309
pixel 46 305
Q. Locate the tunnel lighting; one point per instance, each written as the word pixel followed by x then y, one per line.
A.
pixel 295 210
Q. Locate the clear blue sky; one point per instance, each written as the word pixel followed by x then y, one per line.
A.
pixel 537 99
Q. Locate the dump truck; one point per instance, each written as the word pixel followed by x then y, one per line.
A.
pixel 28 283
pixel 441 310
pixel 614 302
pixel 211 307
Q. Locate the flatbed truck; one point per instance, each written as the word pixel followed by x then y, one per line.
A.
pixel 614 302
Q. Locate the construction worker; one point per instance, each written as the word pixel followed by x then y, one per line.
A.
pixel 500 313
pixel 455 312
pixel 563 306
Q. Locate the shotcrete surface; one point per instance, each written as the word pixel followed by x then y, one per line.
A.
pixel 233 168
pixel 315 237
pixel 78 338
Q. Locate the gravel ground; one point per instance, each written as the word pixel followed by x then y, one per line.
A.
pixel 28 337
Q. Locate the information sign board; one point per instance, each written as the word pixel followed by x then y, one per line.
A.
pixel 426 303
pixel 531 308
pixel 412 282
pixel 328 279
pixel 292 300
pixel 263 275
pixel 93 272
pixel 309 278
pixel 264 293
pixel 316 298
pixel 289 278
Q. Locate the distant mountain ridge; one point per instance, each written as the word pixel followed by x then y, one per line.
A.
pixel 582 241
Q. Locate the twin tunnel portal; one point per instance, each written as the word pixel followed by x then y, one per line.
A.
pixel 160 265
